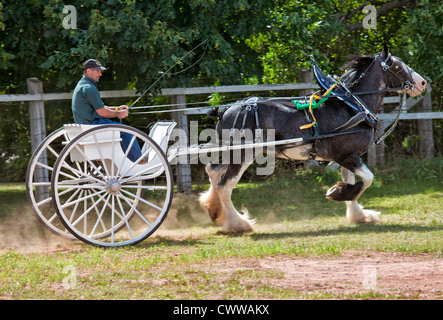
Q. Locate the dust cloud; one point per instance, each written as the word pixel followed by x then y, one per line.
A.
pixel 23 232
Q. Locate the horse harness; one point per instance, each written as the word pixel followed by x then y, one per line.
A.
pixel 344 94
pixel 333 87
pixel 246 106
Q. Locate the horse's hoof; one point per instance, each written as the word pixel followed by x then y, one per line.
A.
pixel 344 191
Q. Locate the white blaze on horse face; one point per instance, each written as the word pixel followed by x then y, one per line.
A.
pixel 419 87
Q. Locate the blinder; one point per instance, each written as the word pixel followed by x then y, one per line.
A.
pixel 405 84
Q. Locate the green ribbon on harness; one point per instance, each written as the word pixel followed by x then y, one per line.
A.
pixel 312 105
pixel 303 106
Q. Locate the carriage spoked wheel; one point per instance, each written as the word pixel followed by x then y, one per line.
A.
pixel 105 199
pixel 38 182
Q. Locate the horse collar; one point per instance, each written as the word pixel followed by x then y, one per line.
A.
pixel 344 94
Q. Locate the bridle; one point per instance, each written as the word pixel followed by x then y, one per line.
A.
pixel 404 84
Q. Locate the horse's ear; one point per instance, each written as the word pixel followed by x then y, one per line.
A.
pixel 385 51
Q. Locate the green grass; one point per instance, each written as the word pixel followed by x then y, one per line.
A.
pixel 12 195
pixel 190 259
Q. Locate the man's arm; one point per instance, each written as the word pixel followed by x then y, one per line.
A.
pixel 93 96
pixel 113 112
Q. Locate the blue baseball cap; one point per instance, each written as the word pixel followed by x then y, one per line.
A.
pixel 93 64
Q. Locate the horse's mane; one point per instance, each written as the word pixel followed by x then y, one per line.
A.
pixel 356 66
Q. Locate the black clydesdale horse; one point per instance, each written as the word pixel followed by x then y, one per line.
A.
pixel 363 85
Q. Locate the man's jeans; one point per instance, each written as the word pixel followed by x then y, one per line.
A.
pixel 135 151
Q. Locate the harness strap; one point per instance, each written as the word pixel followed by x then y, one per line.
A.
pixel 314 128
pixel 258 130
pixel 371 116
pixel 232 132
pixel 394 124
pixel 242 130
pixel 248 106
pixel 355 120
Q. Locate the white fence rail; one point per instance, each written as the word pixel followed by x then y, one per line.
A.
pixel 36 98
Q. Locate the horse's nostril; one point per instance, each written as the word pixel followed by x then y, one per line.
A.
pixel 424 83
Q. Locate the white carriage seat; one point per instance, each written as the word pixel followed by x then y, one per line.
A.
pixel 86 147
pixel 74 129
pixel 160 133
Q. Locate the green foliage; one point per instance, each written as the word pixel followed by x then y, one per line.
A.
pixel 135 40
pixel 331 31
pixel 268 40
pixel 15 141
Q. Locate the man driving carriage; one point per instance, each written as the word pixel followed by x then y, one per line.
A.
pixel 88 107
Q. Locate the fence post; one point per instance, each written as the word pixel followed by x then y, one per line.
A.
pixel 425 133
pixel 184 182
pixel 304 76
pixel 376 153
pixel 38 134
pixel 380 148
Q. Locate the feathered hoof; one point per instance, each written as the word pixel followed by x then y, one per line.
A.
pixel 356 214
pixel 344 191
pixel 242 224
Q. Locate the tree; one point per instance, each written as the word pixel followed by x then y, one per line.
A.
pixel 331 30
pixel 135 39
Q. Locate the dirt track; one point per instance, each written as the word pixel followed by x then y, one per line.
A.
pixel 353 272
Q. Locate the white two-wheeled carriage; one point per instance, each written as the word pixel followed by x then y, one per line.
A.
pixel 90 190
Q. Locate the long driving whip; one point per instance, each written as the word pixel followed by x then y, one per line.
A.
pixel 167 71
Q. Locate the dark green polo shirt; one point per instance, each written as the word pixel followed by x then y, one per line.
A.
pixel 86 100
